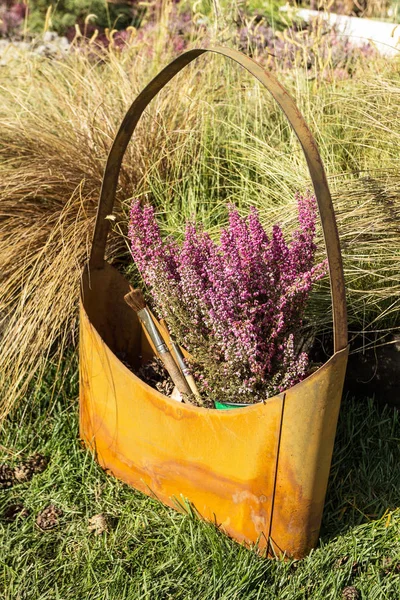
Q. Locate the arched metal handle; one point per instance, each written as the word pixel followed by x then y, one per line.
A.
pixel 307 141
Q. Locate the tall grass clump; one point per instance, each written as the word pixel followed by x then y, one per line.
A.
pixel 212 137
pixel 58 120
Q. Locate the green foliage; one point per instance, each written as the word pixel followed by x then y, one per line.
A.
pixel 227 12
pixel 270 9
pixel 65 13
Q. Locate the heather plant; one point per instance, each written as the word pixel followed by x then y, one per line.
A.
pixel 237 306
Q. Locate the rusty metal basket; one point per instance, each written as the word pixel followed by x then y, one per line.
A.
pixel 260 473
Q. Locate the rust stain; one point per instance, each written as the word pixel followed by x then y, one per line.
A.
pixel 225 465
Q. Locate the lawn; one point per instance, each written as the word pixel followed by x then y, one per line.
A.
pixel 151 551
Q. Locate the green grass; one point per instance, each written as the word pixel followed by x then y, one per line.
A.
pixel 152 552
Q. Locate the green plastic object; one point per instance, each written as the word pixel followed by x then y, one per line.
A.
pixel 228 405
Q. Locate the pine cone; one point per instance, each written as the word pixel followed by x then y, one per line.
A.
pixel 22 473
pixel 29 467
pixel 351 593
pixel 6 477
pixel 98 524
pixel 390 566
pixel 37 462
pixel 48 517
pixel 165 387
pixel 342 560
pixel 155 374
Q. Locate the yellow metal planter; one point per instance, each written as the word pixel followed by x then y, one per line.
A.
pixel 261 472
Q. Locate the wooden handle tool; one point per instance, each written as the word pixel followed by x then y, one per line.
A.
pixel 136 301
pixel 181 362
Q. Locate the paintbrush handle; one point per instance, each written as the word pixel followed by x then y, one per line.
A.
pixel 147 321
pixel 164 354
pixel 181 361
pixel 184 368
pixel 176 375
pixel 192 384
pixel 135 300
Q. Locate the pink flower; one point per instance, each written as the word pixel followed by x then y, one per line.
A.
pixel 237 306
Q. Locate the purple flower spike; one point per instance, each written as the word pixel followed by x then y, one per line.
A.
pixel 237 306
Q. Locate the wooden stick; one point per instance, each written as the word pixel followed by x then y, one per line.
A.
pixel 181 362
pixel 136 301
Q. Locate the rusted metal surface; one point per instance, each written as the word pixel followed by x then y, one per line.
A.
pixel 308 434
pixel 259 472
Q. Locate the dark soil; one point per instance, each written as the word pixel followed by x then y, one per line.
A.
pixel 155 374
pixel 373 368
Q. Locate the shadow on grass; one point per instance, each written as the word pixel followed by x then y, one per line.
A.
pixel 364 482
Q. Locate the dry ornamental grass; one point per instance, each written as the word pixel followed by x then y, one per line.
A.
pixel 213 136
